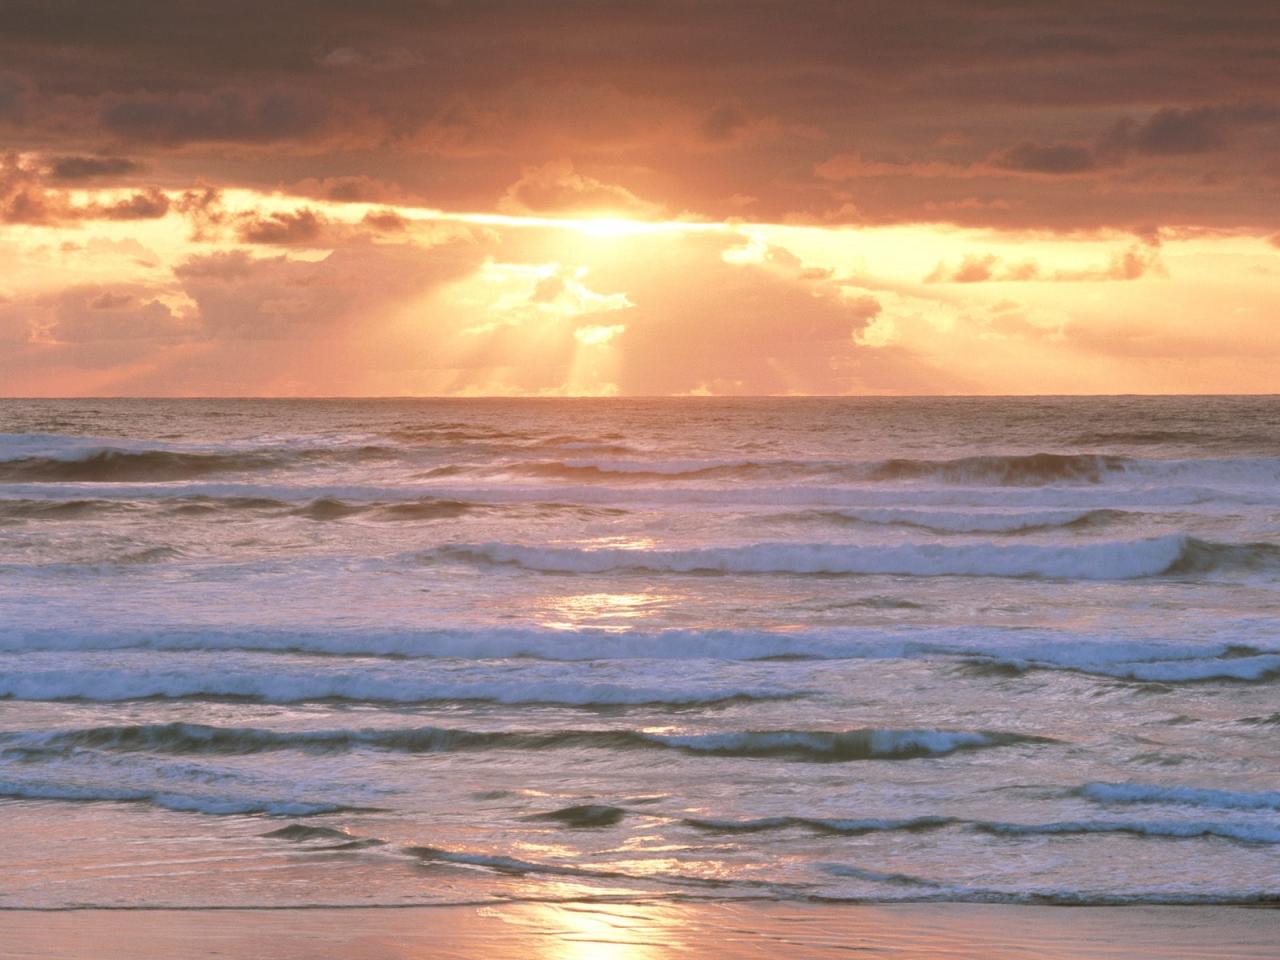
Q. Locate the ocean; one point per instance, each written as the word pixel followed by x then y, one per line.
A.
pixel 388 652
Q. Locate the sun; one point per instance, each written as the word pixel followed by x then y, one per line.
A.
pixel 613 227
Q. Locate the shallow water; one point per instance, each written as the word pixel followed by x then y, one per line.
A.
pixel 396 652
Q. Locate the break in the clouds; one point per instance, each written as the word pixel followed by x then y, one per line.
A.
pixel 844 196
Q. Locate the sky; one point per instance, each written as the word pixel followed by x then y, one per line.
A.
pixel 674 197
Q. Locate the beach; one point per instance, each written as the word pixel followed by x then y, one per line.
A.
pixel 638 932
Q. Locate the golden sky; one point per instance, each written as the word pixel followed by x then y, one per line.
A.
pixel 676 197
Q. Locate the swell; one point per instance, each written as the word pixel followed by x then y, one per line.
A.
pixel 996 470
pixel 955 521
pixel 1260 833
pixel 169 800
pixel 1236 664
pixel 821 746
pixel 114 684
pixel 110 465
pixel 1240 832
pixel 1008 471
pixel 322 509
pixel 76 509
pixel 1171 555
pixel 978 651
pixel 822 825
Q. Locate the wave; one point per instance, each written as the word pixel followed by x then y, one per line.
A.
pixel 842 827
pixel 415 508
pixel 928 890
pixel 182 802
pixel 1139 793
pixel 1242 832
pixel 844 745
pixel 505 643
pixel 955 521
pixel 1175 554
pixel 1011 470
pixel 1008 471
pixel 1143 497
pixel 1004 652
pixel 1243 668
pixel 75 509
pixel 110 684
pixel 996 470
pixel 804 745
pixel 1167 829
pixel 77 464
pixel 111 466
pixel 504 864
pixel 425 508
pixel 583 815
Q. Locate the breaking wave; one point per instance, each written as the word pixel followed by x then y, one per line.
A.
pixel 804 745
pixel 113 465
pixel 1140 793
pixel 955 521
pixel 182 802
pixel 115 684
pixel 1176 554
pixel 1165 829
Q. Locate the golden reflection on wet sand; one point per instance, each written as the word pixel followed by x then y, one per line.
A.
pixel 649 931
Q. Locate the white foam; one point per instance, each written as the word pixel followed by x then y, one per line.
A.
pixel 295 684
pixel 183 802
pixel 1121 793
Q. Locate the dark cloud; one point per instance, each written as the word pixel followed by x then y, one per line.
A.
pixel 686 106
pixel 26 196
pixel 23 198
pixel 204 209
pixel 12 91
pixel 227 117
pixel 298 226
pixel 143 205
pixel 725 123
pixel 1053 158
pixel 385 221
pixel 87 168
pixel 350 189
pixel 1174 131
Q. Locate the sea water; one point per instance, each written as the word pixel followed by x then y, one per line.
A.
pixel 363 652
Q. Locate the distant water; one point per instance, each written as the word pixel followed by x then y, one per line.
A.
pixel 394 652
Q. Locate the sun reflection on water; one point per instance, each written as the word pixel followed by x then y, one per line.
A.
pixel 602 611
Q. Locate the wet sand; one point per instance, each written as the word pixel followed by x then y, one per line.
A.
pixel 950 931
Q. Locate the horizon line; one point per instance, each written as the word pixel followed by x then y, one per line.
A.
pixel 656 396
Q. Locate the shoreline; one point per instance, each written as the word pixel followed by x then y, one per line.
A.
pixel 615 931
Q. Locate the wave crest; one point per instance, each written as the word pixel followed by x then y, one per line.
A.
pixel 1175 554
